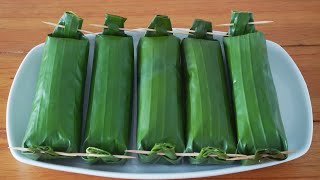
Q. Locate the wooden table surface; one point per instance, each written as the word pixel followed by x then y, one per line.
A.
pixel 296 28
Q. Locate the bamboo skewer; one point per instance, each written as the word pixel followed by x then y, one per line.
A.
pixel 124 29
pixel 182 154
pixel 231 157
pixel 211 33
pixel 182 31
pixel 76 154
pixel 256 22
pixel 252 156
pixel 147 29
pixel 187 32
pixel 62 26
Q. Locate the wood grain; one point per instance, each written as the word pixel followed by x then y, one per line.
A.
pixel 296 28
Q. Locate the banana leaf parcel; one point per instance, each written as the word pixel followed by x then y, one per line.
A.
pixel 259 124
pixel 109 112
pixel 160 127
pixel 210 129
pixel 55 120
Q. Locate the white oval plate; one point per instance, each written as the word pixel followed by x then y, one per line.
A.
pixel 291 88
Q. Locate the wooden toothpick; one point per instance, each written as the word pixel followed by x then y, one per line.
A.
pixel 256 22
pixel 62 26
pixel 76 154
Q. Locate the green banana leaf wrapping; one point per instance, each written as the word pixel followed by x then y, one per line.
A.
pixel 258 118
pixel 160 127
pixel 55 120
pixel 210 129
pixel 109 111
